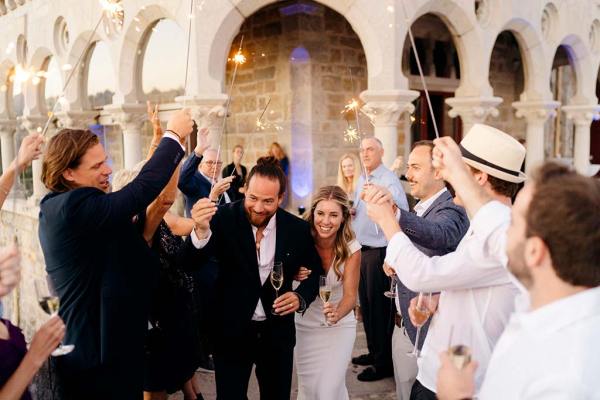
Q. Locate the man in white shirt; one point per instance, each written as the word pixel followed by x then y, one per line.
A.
pixel 551 350
pixel 477 292
pixel 436 227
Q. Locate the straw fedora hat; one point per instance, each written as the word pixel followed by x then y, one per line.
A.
pixel 494 152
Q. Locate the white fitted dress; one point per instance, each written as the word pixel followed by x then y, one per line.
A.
pixel 323 353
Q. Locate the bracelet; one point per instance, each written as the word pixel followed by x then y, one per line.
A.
pixel 4 191
pixel 174 133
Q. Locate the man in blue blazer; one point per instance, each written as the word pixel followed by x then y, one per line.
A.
pixel 436 226
pixel 97 260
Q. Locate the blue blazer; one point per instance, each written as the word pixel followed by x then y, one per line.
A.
pixel 103 272
pixel 436 233
pixel 192 184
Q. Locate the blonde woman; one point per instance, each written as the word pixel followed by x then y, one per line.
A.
pixel 323 350
pixel 348 174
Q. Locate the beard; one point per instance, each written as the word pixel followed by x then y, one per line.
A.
pixel 259 220
pixel 517 265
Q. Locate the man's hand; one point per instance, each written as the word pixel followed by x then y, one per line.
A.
pixel 286 304
pixel 431 305
pixel 447 158
pixel 181 123
pixel 10 269
pixel 31 148
pixel 302 274
pixel 220 187
pixel 376 194
pixel 454 383
pixel 45 340
pixel 202 213
pixel 389 271
pixel 202 143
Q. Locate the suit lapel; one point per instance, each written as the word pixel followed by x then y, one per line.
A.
pixel 280 236
pixel 247 242
pixel 442 198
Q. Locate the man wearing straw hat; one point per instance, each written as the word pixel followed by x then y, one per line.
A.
pixel 477 292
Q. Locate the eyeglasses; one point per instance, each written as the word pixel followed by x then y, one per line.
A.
pixel 211 163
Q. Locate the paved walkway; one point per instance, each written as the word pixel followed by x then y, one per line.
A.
pixel 380 390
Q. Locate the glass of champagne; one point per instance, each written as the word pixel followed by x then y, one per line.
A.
pixel 50 304
pixel 422 313
pixel 276 278
pixel 392 292
pixel 324 293
pixel 460 354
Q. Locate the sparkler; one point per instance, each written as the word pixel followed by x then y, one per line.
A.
pixel 418 61
pixel 238 59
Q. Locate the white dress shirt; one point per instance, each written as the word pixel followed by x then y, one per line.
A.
pixel 477 293
pixel 552 353
pixel 420 209
pixel 265 255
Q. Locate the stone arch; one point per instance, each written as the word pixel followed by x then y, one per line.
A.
pixel 34 94
pixel 535 71
pixel 467 41
pixel 136 36
pixel 580 59
pixel 220 39
pixel 76 90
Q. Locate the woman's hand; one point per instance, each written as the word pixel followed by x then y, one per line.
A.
pixel 46 340
pixel 153 118
pixel 331 314
pixel 302 274
pixel 31 148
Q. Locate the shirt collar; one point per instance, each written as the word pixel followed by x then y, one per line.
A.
pixel 422 206
pixel 269 228
pixel 208 178
pixel 564 312
pixel 378 172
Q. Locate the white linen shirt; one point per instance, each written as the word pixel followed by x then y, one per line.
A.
pixel 477 293
pixel 265 256
pixel 551 353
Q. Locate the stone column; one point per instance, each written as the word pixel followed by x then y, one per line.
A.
pixel 582 116
pixel 208 112
pixel 7 143
pixel 35 123
pixel 76 119
pixel 537 114
pixel 131 118
pixel 472 110
pixel 383 109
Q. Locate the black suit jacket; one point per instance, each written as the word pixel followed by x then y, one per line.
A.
pixel 238 286
pixel 237 183
pixel 101 267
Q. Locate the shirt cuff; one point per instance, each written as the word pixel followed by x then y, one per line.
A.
pixel 302 306
pixel 395 245
pixel 199 243
pixel 169 135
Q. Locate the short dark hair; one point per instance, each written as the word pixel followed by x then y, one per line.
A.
pixel 500 186
pixel 563 212
pixel 269 167
pixel 427 143
pixel 65 151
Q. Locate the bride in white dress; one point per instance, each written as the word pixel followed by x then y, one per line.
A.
pixel 323 352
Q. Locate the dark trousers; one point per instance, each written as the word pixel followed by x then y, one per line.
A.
pixel 420 392
pixel 375 307
pixel 273 367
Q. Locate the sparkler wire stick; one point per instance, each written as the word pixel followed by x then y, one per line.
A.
pixel 187 65
pixel 418 61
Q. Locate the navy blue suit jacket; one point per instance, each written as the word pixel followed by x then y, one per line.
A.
pixel 103 271
pixel 437 232
pixel 192 184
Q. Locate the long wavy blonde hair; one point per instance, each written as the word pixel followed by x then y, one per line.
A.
pixel 345 234
pixel 341 179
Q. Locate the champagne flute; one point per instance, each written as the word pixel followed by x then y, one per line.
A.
pixel 50 304
pixel 422 313
pixel 459 354
pixel 392 294
pixel 324 293
pixel 276 278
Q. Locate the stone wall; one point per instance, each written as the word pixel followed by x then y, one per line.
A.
pixel 299 56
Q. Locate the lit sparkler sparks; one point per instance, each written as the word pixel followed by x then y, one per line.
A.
pixel 351 135
pixel 352 106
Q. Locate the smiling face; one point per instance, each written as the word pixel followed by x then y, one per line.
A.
pixel 423 179
pixel 348 168
pixel 92 171
pixel 328 218
pixel 262 200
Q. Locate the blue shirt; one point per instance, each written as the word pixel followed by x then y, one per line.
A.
pixel 367 232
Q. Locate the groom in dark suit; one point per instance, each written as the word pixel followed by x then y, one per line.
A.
pixel 435 226
pixel 253 326
pixel 98 262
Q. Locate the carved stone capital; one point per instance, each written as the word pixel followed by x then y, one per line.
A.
pixel 384 108
pixel 8 126
pixel 582 114
pixel 33 123
pixel 130 117
pixel 473 110
pixel 536 111
pixel 75 119
pixel 207 111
